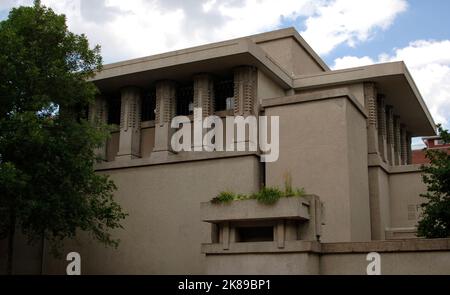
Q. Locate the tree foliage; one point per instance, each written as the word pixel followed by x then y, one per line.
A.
pixel 435 222
pixel 48 187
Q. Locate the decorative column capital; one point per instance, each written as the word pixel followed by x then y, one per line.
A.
pixel 390 124
pixel 130 111
pixel 204 93
pixel 245 86
pixel 165 101
pixel 370 94
pixel 404 145
pixel 98 110
pixel 130 123
pixel 98 114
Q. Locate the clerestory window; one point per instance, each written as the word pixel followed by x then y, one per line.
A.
pixel 224 95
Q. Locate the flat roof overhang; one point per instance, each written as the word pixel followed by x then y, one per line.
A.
pixel 393 80
pixel 216 58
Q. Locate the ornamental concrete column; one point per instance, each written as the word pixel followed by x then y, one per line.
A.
pixel 204 93
pixel 246 105
pixel 130 124
pixel 390 134
pixel 98 114
pixel 382 128
pixel 165 111
pixel 397 141
pixel 204 99
pixel 370 95
pixel 245 102
pixel 404 145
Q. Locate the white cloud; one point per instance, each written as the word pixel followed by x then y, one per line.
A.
pixel 351 62
pixel 429 64
pixel 134 28
pixel 349 21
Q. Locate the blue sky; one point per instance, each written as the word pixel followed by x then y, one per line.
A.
pixel 345 33
pixel 423 20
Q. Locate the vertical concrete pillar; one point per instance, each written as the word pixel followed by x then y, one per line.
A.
pixel 390 134
pixel 370 95
pixel 245 103
pixel 130 124
pixel 225 230
pixel 408 151
pixel 204 93
pixel 397 141
pixel 404 145
pixel 165 111
pixel 280 234
pixel 98 114
pixel 204 99
pixel 382 128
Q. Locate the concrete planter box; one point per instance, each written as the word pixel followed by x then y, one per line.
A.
pixel 295 208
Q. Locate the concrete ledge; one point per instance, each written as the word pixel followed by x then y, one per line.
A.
pixel 341 92
pixel 374 160
pixel 402 91
pixel 394 246
pixel 405 169
pixel 413 245
pixel 171 159
pixel 401 233
pixel 285 208
pixel 262 247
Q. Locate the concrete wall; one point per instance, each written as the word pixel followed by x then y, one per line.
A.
pixel 267 88
pixel 405 257
pixel 405 185
pixel 325 151
pixel 163 233
pixel 263 264
pixel 407 263
pixel 289 55
pixel 379 202
pixel 147 141
pixel 357 171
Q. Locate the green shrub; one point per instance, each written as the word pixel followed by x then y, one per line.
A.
pixel 241 197
pixel 268 195
pixel 223 197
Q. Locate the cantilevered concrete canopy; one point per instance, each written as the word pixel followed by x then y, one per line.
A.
pixel 393 80
pixel 181 65
pixel 216 58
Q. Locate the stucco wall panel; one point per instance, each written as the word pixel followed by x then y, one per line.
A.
pixel 163 233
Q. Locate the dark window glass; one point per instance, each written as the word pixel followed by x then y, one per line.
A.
pixel 185 99
pixel 148 105
pixel 81 112
pixel 223 95
pixel 255 234
pixel 114 110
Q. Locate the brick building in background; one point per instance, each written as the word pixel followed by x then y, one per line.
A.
pixel 432 143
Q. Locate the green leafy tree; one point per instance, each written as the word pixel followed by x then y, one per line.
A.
pixel 435 222
pixel 48 187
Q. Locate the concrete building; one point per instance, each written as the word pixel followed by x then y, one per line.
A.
pixel 345 137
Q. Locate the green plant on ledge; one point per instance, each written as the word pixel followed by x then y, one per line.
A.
pixel 288 191
pixel 224 197
pixel 267 195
